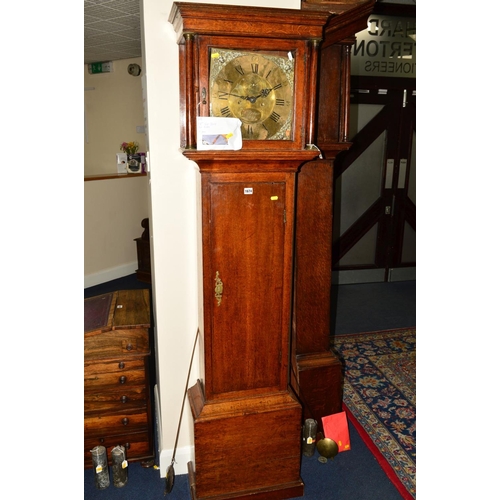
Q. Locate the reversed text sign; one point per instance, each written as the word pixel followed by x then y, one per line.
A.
pixel 388 47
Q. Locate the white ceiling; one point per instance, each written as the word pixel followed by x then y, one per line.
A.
pixel 112 30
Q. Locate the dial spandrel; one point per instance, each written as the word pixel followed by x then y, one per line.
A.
pixel 255 87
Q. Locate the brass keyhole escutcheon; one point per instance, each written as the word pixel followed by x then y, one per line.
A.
pixel 219 288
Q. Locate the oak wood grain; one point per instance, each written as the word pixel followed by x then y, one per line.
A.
pixel 117 405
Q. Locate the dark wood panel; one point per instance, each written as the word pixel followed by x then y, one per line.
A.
pixel 313 249
pixel 117 405
pixel 116 343
pixel 106 400
pixel 115 380
pixel 268 428
pixel 247 236
pixel 132 309
pixel 133 419
pixel 138 446
pixel 94 369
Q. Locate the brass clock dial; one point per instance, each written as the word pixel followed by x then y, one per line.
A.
pixel 257 88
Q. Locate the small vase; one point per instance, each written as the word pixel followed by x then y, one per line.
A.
pixel 134 164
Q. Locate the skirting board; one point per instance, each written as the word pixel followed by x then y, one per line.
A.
pixel 373 275
pixel 109 274
pixel 361 276
pixel 403 274
pixel 182 455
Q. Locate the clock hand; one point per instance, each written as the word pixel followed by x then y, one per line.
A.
pixel 253 98
pixel 263 93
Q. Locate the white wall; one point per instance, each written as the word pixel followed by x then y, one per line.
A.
pixel 114 209
pixel 113 111
pixel 175 228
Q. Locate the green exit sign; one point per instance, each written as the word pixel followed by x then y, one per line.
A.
pixel 100 67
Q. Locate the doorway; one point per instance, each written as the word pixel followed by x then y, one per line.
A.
pixel 374 227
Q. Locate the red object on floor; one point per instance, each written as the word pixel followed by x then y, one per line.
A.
pixel 335 427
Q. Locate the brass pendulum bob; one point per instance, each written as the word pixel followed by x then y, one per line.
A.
pixel 327 447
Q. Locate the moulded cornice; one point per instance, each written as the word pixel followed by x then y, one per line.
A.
pixel 234 20
pixel 332 6
pixel 344 26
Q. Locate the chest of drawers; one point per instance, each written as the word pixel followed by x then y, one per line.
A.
pixel 117 394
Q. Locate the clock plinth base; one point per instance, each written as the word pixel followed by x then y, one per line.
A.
pixel 319 384
pixel 246 448
pixel 281 492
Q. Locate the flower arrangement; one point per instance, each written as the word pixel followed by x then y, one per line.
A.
pixel 129 147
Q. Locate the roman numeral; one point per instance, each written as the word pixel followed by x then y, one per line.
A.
pixel 223 95
pixel 240 70
pixel 277 86
pixel 255 68
pixel 270 71
pixel 275 117
pixel 249 130
pixel 225 111
pixel 280 102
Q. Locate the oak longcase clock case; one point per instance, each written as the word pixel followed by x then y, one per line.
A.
pixel 258 65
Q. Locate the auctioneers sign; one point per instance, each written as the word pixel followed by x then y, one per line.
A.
pixel 388 47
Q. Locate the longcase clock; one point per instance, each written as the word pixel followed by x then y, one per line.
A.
pixel 258 65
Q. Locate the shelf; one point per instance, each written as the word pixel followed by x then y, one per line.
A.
pixel 101 177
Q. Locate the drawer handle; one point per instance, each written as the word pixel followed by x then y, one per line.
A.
pixel 124 399
pixel 125 421
pixel 129 347
pixel 121 365
pixel 101 440
pixel 123 379
pixel 127 445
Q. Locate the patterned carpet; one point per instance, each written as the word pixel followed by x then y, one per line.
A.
pixel 380 398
